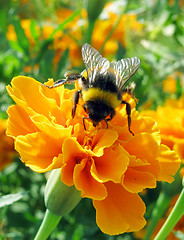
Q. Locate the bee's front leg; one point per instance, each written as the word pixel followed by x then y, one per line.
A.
pixel 56 84
pixel 112 113
pixel 75 102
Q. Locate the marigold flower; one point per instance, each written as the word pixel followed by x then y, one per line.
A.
pixel 25 24
pixel 110 166
pixel 7 152
pixel 104 26
pixel 169 84
pixel 72 35
pixel 170 122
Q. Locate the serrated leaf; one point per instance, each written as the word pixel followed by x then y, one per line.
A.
pixel 10 198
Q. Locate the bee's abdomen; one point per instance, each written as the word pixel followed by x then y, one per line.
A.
pixel 96 94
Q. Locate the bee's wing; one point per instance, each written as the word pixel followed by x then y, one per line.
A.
pixel 124 70
pixel 94 62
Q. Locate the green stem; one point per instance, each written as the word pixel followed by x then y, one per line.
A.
pixel 173 218
pixel 161 206
pixel 90 31
pixel 49 223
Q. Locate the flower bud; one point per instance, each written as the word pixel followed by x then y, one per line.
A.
pixel 60 199
pixel 94 8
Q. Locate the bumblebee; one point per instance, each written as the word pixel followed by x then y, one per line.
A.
pixel 102 85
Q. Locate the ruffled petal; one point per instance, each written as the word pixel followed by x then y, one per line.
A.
pixel 86 183
pixel 19 122
pixel 51 129
pixel 169 162
pixel 179 148
pixel 25 91
pixel 111 165
pixel 136 181
pixel 103 139
pixel 73 154
pixel 145 147
pixel 39 151
pixel 121 211
pixel 148 125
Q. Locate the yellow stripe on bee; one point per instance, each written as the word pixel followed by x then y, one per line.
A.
pixel 106 97
pixel 84 74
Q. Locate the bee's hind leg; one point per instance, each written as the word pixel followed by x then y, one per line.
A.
pixel 75 102
pixel 128 111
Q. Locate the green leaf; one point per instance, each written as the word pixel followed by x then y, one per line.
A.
pixel 3 18
pixel 21 37
pixel 62 62
pixel 34 31
pixel 62 25
pixel 10 198
pixel 43 50
pixel 158 49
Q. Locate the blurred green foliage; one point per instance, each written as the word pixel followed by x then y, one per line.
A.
pixel 159 45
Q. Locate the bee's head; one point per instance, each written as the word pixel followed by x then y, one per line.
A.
pixel 97 111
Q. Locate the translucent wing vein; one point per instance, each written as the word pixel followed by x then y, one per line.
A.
pixel 94 62
pixel 124 70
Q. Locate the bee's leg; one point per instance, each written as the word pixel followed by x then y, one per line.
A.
pixel 84 122
pixel 110 117
pixel 128 111
pixel 106 121
pixel 56 84
pixel 75 102
pixel 69 79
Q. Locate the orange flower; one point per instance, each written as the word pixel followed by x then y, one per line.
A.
pixel 25 24
pixel 169 84
pixel 110 166
pixel 7 152
pixel 72 35
pixel 104 26
pixel 170 119
pixel 172 2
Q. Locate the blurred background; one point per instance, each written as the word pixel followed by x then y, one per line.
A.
pixel 43 39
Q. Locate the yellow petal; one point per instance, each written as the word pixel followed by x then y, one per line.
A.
pixel 39 151
pixel 86 183
pixel 145 147
pixel 111 165
pixel 19 122
pixel 169 162
pixel 57 131
pixel 179 148
pixel 25 91
pixel 136 181
pixel 103 139
pixel 73 153
pixel 121 211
